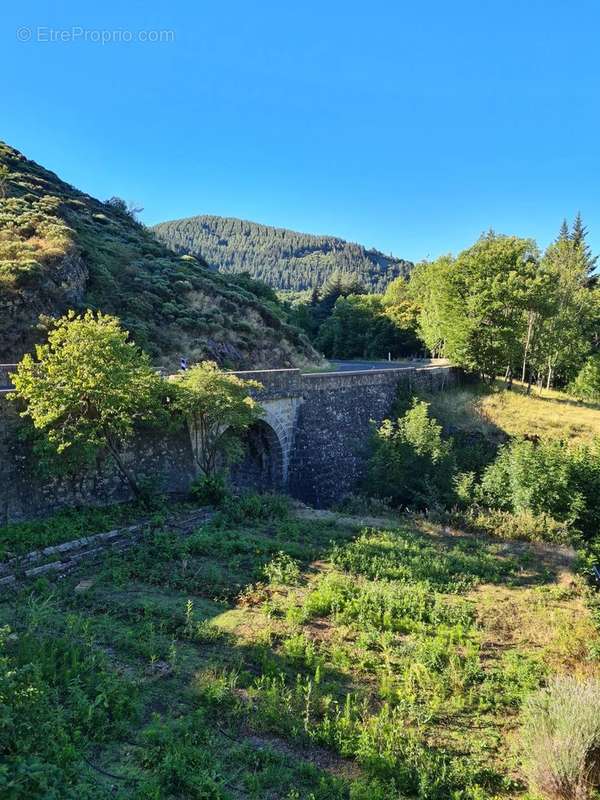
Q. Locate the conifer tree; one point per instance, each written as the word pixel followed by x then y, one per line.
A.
pixel 578 237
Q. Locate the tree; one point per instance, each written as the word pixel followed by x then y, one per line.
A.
pixel 219 409
pixel 563 233
pixel 586 385
pixel 362 326
pixel 578 237
pixel 565 332
pixel 88 389
pixel 478 309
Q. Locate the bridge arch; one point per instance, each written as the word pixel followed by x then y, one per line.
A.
pixel 263 466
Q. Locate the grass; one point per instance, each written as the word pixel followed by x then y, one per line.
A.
pixel 272 656
pixel 496 413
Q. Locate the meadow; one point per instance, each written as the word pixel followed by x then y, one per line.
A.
pixel 272 654
pixel 496 414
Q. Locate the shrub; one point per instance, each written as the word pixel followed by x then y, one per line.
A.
pixel 210 489
pixel 254 507
pixel 411 464
pixel 282 569
pixel 548 477
pixel 561 739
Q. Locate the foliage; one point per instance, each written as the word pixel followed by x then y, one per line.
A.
pixel 561 738
pixel 58 695
pixel 88 389
pixel 363 326
pixel 546 477
pixel 281 258
pixel 218 408
pixel 498 308
pixel 211 489
pixel 411 464
pixel 586 385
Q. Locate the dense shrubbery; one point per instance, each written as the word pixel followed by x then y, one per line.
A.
pixel 535 490
pixel 411 463
pixel 546 477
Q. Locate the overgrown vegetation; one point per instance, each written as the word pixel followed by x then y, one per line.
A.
pixel 270 656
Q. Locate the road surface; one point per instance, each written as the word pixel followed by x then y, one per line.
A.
pixel 357 366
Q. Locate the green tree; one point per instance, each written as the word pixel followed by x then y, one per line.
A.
pixel 218 408
pixel 479 308
pixel 586 385
pixel 362 326
pixel 578 237
pixel 87 390
pixel 565 333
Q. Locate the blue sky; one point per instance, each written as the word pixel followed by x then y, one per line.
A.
pixel 410 127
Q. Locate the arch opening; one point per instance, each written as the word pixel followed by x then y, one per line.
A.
pixel 261 467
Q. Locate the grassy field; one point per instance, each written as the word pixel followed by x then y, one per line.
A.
pixel 497 413
pixel 269 655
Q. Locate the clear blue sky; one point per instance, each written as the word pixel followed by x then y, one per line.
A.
pixel 410 127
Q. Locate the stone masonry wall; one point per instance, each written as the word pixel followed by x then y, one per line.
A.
pixel 334 424
pixel 165 461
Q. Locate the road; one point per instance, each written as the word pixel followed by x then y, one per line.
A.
pixel 357 366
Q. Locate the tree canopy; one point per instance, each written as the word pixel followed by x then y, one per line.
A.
pixel 88 388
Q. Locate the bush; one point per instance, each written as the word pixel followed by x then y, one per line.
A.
pixel 411 464
pixel 549 477
pixel 561 739
pixel 211 490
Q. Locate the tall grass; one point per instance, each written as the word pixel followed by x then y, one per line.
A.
pixel 561 739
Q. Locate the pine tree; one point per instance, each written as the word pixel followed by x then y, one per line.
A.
pixel 578 234
pixel 563 233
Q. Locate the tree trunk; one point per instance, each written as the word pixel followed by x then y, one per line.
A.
pixel 527 345
pixel 125 474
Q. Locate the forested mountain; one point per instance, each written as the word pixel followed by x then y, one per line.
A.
pixel 61 249
pixel 281 258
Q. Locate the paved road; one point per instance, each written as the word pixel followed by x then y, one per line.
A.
pixel 354 366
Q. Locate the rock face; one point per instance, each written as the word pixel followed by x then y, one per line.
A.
pixel 62 287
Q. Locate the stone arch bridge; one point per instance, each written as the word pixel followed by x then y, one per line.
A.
pixel 312 442
pixel 313 436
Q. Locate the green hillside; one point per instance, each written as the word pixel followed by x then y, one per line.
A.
pixel 281 258
pixel 61 248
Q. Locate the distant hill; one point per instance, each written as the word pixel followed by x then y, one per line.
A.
pixel 61 249
pixel 281 258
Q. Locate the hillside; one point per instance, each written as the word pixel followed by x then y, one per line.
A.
pixel 281 258
pixel 61 248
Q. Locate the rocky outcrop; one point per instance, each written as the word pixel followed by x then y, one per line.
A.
pixel 59 287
